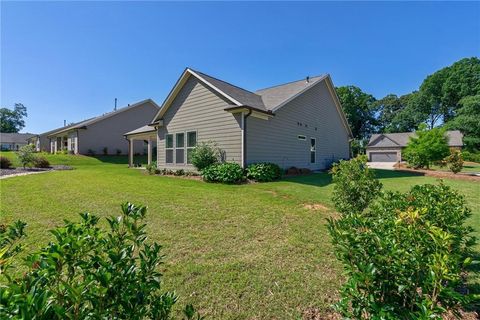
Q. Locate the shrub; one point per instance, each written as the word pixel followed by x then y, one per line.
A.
pixel 91 273
pixel 41 162
pixel 118 152
pixel 151 168
pixel 264 172
pixel 427 147
pixel 105 151
pixel 5 163
pixel 26 155
pixel 455 161
pixel 228 172
pixel 10 235
pixel 204 155
pixel 91 152
pixel 355 185
pixel 179 172
pixel 471 156
pixel 404 253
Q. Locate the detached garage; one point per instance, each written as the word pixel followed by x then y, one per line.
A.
pixel 387 147
pixel 383 156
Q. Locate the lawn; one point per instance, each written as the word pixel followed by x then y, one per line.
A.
pixel 467 167
pixel 249 251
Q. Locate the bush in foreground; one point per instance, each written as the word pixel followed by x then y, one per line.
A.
pixel 90 273
pixel 5 163
pixel 26 155
pixel 264 172
pixel 403 253
pixel 355 185
pixel 227 172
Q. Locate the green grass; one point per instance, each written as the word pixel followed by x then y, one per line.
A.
pixel 467 167
pixel 234 251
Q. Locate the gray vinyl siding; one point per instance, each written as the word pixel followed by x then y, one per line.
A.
pixel 275 140
pixel 109 132
pixel 198 108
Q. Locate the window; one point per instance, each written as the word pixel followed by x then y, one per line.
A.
pixel 180 148
pixel 303 138
pixel 169 148
pixel 191 143
pixel 313 150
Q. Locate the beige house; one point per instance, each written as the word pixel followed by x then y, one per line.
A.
pixel 300 123
pixel 387 147
pixel 102 134
pixel 13 141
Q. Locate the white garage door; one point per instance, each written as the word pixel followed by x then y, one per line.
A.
pixel 383 156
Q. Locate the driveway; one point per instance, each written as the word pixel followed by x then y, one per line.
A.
pixel 382 165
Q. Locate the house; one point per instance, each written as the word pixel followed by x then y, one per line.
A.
pixel 300 123
pixel 102 134
pixel 13 141
pixel 41 141
pixel 387 147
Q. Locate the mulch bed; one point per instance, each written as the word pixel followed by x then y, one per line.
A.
pixel 439 174
pixel 22 171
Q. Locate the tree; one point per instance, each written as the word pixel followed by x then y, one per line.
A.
pixel 441 92
pixel 26 155
pixel 426 147
pixel 359 110
pixel 467 120
pixel 12 121
pixel 398 114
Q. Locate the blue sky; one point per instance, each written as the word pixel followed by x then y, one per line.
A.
pixel 69 60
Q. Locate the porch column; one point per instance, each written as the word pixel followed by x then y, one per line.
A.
pixel 130 152
pixel 149 151
pixel 55 145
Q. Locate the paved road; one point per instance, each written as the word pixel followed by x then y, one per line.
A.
pixel 382 165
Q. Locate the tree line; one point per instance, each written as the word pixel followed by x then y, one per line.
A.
pixel 450 98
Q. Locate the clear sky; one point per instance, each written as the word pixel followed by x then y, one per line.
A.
pixel 69 60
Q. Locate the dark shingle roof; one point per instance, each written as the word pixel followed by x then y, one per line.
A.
pixel 15 137
pixel 275 96
pixel 265 99
pixel 243 96
pixel 455 138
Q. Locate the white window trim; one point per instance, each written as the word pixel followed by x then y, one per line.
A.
pixel 186 144
pixel 183 148
pixel 172 148
pixel 314 151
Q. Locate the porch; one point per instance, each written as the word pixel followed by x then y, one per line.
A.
pixel 145 134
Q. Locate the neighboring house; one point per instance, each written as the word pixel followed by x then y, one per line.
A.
pixel 299 123
pixel 14 141
pixel 387 147
pixel 105 131
pixel 41 141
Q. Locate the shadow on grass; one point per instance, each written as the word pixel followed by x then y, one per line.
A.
pixel 121 159
pixel 323 179
pixel 387 174
pixel 315 179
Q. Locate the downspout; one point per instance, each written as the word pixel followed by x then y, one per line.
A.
pixel 245 116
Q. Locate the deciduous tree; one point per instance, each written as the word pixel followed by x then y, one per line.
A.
pixel 13 120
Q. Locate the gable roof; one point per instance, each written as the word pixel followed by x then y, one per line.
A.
pixel 455 138
pixel 266 100
pixel 276 96
pixel 15 137
pixel 90 121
